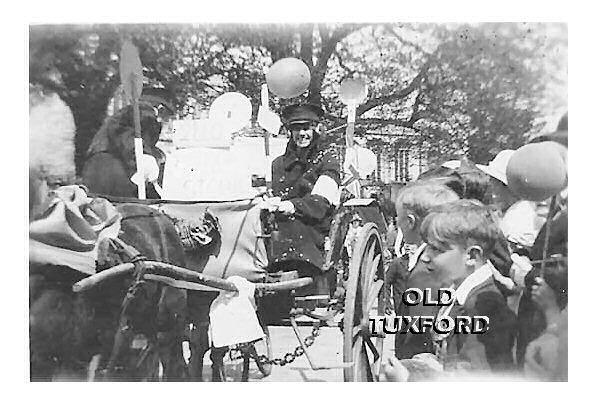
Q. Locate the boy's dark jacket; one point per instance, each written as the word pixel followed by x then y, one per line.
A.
pixel 491 350
pixel 423 276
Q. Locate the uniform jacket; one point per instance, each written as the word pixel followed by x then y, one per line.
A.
pixel 302 235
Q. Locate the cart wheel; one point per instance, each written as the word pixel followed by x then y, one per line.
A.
pixel 365 282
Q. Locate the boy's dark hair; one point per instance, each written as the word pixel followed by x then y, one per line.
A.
pixel 468 181
pixel 421 197
pixel 464 223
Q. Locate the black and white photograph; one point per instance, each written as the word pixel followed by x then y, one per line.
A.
pixel 311 201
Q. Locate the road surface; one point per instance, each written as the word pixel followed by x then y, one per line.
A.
pixel 326 350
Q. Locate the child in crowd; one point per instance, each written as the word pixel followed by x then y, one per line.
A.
pixel 352 234
pixel 460 237
pixel 412 205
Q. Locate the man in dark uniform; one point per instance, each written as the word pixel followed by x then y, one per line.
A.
pixel 305 181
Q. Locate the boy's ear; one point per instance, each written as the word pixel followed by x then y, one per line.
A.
pixel 412 221
pixel 474 256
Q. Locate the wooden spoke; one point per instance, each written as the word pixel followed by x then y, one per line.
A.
pixel 371 346
pixel 374 294
pixel 366 364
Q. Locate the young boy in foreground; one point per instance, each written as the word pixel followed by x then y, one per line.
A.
pixel 460 236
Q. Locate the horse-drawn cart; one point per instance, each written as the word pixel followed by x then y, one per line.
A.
pixel 233 238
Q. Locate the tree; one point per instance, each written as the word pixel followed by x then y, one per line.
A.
pixel 455 89
pixel 483 90
pixel 458 90
pixel 80 64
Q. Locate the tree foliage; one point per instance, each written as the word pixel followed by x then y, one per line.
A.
pixel 455 89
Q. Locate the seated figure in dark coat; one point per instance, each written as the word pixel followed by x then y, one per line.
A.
pixel 305 181
pixel 110 161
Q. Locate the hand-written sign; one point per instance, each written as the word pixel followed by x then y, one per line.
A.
pixel 202 173
pixel 205 174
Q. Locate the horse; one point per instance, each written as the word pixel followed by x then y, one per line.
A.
pixel 77 335
pixel 73 332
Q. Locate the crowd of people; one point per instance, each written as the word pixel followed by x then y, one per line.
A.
pixel 462 228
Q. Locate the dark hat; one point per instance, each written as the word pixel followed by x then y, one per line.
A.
pixel 299 113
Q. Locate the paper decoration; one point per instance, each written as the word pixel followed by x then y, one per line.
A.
pixel 269 120
pixel 232 110
pixel 130 69
pixel 353 91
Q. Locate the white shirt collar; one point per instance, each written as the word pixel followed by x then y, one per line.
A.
pixel 476 278
pixel 414 257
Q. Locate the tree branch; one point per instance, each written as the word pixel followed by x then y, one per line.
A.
pixel 412 86
pixel 339 58
pixel 384 122
pixel 328 43
pixel 306 44
pixel 404 41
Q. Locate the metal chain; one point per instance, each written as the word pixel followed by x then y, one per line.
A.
pixel 237 352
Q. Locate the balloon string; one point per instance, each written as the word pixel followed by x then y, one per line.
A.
pixel 551 212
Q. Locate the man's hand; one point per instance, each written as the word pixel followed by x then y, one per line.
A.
pixel 394 371
pixel 286 207
pixel 270 203
pixel 274 204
